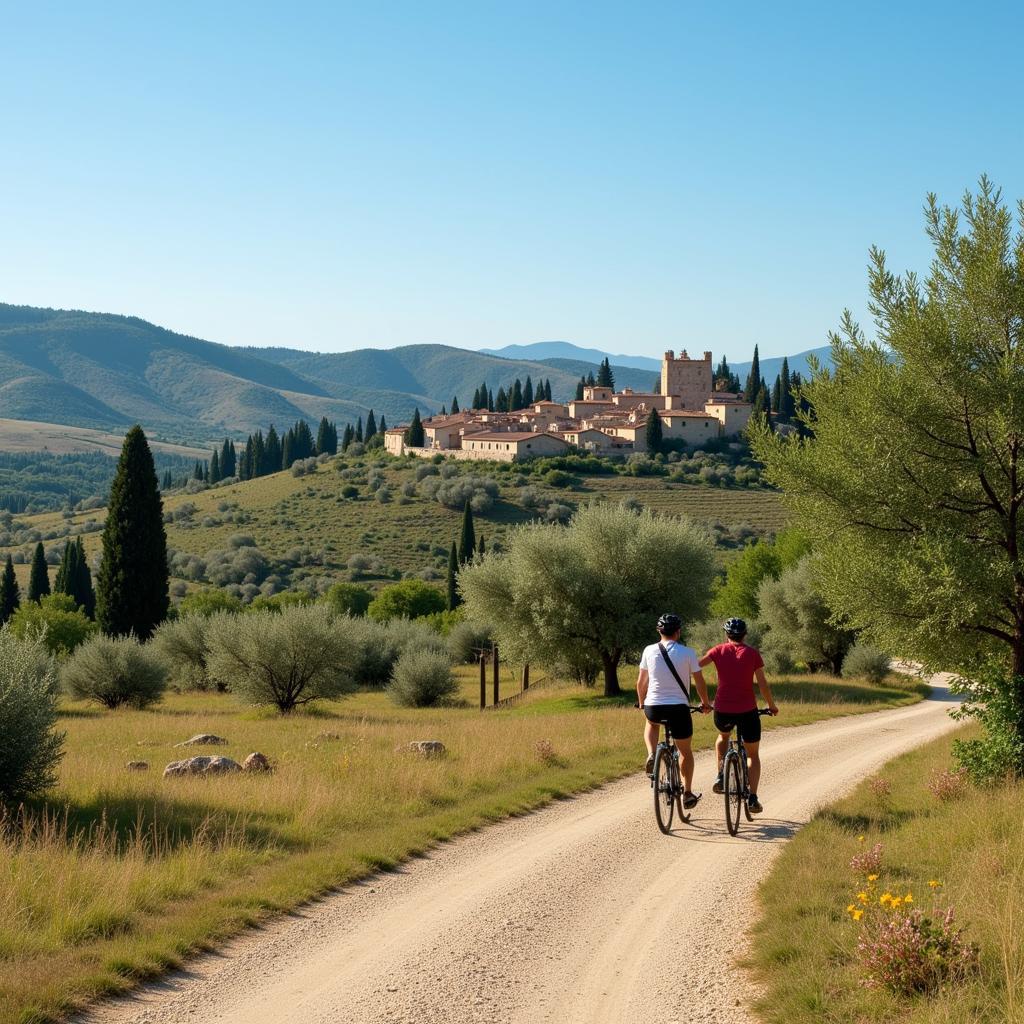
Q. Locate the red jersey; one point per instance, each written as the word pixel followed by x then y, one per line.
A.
pixel 736 665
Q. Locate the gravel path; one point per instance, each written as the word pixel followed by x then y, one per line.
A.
pixel 581 912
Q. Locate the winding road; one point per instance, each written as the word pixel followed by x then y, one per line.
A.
pixel 581 912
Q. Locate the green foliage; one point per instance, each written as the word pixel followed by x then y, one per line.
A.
pixel 558 478
pixel 284 659
pixel 377 646
pixel 467 639
pixel 115 672
pixel 182 644
pixel 453 599
pixel 414 436
pixel 10 592
pixel 759 561
pixel 654 435
pixel 866 662
pixel 798 621
pixel 131 593
pixel 30 746
pixel 422 679
pixel 75 579
pixel 467 538
pixel 39 575
pixel 406 600
pixel 596 587
pixel 208 602
pixel 55 617
pixel 996 701
pixel 702 636
pixel 348 599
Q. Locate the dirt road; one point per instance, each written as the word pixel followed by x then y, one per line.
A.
pixel 582 912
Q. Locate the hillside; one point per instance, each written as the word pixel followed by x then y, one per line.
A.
pixel 105 371
pixel 545 350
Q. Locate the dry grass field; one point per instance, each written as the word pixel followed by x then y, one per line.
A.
pixel 59 439
pixel 121 874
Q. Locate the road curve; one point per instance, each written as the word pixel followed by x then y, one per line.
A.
pixel 581 912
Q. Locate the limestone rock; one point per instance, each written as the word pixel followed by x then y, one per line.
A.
pixel 204 739
pixel 425 748
pixel 137 766
pixel 202 766
pixel 257 762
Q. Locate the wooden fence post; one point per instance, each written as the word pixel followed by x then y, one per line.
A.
pixel 483 679
pixel 496 669
pixel 526 677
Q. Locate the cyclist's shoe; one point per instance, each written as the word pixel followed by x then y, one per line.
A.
pixel 753 804
pixel 690 800
pixel 719 786
pixel 650 764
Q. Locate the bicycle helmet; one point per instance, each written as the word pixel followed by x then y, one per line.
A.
pixel 669 623
pixel 735 629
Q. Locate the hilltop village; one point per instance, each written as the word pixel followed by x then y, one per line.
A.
pixel 603 421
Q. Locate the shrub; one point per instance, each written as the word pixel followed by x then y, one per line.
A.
pixel 30 748
pixel 406 600
pixel 384 495
pixel 422 679
pixel 182 645
pixel 466 639
pixel 558 478
pixel 350 491
pixel 996 701
pixel 208 602
pixel 377 649
pixel 62 625
pixel 348 599
pixel 115 671
pixel 865 661
pixel 285 658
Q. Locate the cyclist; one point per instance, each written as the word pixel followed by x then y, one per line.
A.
pixel 663 689
pixel 738 665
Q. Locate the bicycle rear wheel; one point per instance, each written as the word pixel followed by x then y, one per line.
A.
pixel 664 798
pixel 677 788
pixel 733 792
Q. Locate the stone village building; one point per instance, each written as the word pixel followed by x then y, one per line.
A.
pixel 603 422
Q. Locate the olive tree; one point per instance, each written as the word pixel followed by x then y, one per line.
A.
pixel 115 671
pixel 183 643
pixel 30 746
pixel 596 586
pixel 286 658
pixel 911 486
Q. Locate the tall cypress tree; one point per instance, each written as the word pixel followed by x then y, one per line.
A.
pixel 654 434
pixel 453 571
pixel 481 548
pixel 132 584
pixel 515 400
pixel 272 452
pixel 10 592
pixel 501 402
pixel 215 467
pixel 455 407
pixel 359 429
pixel 84 595
pixel 785 405
pixel 467 541
pixel 39 574
pixel 777 391
pixel 67 573
pixel 580 385
pixel 605 377
pixel 383 425
pixel 257 467
pixel 527 393
pixel 490 401
pixel 476 399
pixel 753 378
pixel 414 436
pixel 371 426
pixel 288 450
pixel 347 437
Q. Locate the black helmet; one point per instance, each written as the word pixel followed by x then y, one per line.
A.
pixel 669 623
pixel 735 629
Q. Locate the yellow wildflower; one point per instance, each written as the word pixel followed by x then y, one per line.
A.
pixel 872 878
pixel 862 896
pixel 886 897
pixel 909 898
pixel 933 884
pixel 860 839
pixel 895 903
pixel 851 908
pixel 858 914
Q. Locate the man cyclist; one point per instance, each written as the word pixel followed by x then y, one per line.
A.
pixel 663 689
pixel 738 665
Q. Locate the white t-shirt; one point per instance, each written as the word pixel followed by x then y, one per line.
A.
pixel 662 687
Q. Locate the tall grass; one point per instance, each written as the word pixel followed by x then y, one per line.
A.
pixel 121 874
pixel 971 842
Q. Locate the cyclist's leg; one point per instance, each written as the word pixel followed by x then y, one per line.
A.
pixel 724 724
pixel 685 749
pixel 652 730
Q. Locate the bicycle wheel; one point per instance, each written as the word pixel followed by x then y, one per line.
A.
pixel 733 792
pixel 664 798
pixel 677 788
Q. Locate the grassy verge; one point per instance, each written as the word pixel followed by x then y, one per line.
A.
pixel 122 874
pixel 973 843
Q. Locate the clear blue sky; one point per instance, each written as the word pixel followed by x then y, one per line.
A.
pixel 629 176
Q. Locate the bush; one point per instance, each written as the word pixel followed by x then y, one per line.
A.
pixel 867 662
pixel 348 599
pixel 56 618
pixel 30 748
pixel 208 602
pixel 350 491
pixel 285 658
pixel 181 643
pixel 422 679
pixel 377 649
pixel 996 701
pixel 466 640
pixel 115 671
pixel 406 600
pixel 558 478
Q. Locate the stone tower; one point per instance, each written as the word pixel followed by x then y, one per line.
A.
pixel 688 382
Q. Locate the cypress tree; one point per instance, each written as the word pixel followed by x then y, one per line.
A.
pixel 453 571
pixel 605 377
pixel 467 541
pixel 10 593
pixel 287 449
pixel 501 402
pixel 226 463
pixel 455 407
pixel 215 467
pixel 371 426
pixel 476 399
pixel 67 574
pixel 527 393
pixel 166 485
pixel 515 400
pixel 490 401
pixel 256 467
pixel 347 437
pixel 132 585
pixel 753 378
pixel 654 434
pixel 785 406
pixel 383 425
pixel 777 391
pixel 414 436
pixel 39 574
pixel 359 429
pixel 197 472
pixel 547 390
pixel 481 548
pixel 580 385
pixel 272 453
pixel 591 382
pixel 84 595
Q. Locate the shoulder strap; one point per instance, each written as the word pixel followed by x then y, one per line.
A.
pixel 674 671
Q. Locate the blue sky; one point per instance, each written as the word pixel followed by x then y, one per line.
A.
pixel 626 176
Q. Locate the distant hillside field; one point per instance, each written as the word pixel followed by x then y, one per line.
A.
pixel 60 439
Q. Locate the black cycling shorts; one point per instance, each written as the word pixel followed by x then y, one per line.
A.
pixel 746 723
pixel 677 716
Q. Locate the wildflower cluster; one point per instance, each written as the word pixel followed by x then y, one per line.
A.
pixel 900 947
pixel 946 785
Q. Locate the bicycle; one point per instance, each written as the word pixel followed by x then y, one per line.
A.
pixel 736 780
pixel 667 783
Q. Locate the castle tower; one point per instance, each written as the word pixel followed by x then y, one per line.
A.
pixel 687 382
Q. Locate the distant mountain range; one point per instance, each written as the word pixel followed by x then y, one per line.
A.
pixel 105 371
